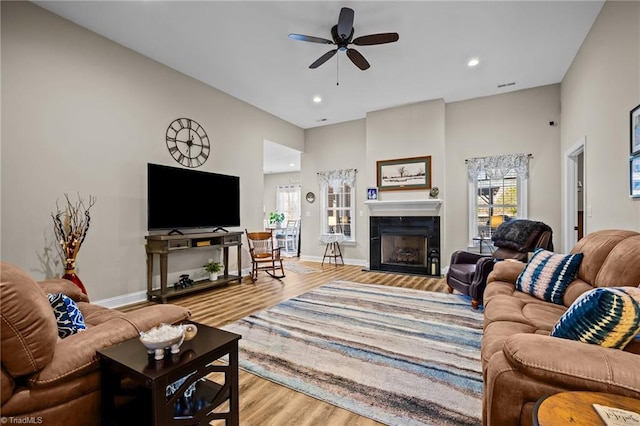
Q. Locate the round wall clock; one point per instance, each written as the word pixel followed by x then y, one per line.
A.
pixel 310 197
pixel 187 142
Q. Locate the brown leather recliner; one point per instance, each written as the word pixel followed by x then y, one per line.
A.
pixel 468 271
pixel 52 379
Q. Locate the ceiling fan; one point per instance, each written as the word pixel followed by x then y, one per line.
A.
pixel 342 35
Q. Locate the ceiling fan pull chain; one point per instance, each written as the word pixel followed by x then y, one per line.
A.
pixel 338 71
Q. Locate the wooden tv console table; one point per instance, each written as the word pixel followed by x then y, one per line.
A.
pixel 163 245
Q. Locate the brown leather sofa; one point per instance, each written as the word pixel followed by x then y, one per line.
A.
pixel 57 381
pixel 521 362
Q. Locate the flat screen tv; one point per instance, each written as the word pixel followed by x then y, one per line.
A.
pixel 184 198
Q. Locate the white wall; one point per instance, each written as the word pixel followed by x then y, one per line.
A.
pixel 512 123
pixel 600 88
pixel 83 114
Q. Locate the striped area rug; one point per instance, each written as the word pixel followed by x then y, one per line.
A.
pixel 398 356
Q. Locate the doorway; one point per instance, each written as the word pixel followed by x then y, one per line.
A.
pixel 574 223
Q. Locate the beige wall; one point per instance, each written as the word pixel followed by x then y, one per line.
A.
pixel 517 122
pixel 83 114
pixel 339 146
pixel 513 123
pixel 414 130
pixel 600 88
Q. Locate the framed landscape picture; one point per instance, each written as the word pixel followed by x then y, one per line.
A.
pixel 404 174
pixel 635 130
pixel 634 175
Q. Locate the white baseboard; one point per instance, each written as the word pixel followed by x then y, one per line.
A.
pixel 355 262
pixel 125 299
pixel 137 296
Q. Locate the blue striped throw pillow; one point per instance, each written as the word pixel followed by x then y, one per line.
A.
pixel 608 317
pixel 547 275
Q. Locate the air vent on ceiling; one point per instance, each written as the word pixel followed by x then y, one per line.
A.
pixel 500 86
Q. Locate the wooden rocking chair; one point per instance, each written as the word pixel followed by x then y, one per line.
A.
pixel 264 254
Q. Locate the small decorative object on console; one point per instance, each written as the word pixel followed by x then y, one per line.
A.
pixel 167 336
pixel 70 227
pixel 434 192
pixel 213 268
pixel 183 282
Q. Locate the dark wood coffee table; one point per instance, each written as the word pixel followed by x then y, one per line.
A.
pixel 129 360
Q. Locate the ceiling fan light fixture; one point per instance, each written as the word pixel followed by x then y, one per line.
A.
pixel 342 35
pixel 473 62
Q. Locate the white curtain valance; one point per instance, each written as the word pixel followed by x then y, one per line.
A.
pixel 287 188
pixel 497 167
pixel 337 178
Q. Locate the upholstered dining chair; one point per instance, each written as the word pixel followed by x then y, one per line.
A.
pixel 265 256
pixel 514 239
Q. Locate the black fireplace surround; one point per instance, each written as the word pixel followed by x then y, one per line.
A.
pixel 405 244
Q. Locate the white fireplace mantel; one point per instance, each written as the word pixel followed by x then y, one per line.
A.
pixel 384 206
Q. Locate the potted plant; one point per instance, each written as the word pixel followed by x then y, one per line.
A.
pixel 275 218
pixel 213 268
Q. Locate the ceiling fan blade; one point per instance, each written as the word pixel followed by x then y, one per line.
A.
pixel 311 39
pixel 345 22
pixel 372 39
pixel 358 59
pixel 322 59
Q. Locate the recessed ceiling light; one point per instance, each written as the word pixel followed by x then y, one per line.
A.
pixel 317 99
pixel 291 165
pixel 473 62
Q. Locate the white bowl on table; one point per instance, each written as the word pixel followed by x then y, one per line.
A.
pixel 166 336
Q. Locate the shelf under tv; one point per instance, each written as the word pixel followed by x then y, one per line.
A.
pixel 163 245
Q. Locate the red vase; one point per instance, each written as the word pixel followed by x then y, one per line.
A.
pixel 70 274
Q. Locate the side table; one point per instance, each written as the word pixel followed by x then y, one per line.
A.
pixel 196 360
pixel 332 248
pixel 576 408
pixel 482 240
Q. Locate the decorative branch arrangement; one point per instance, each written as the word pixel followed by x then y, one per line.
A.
pixel 70 226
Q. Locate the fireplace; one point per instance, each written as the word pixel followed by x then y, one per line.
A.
pixel 406 244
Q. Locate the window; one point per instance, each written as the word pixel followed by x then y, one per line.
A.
pixel 337 189
pixel 497 193
pixel 288 201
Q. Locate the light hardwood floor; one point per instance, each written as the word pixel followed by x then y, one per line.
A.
pixel 263 402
